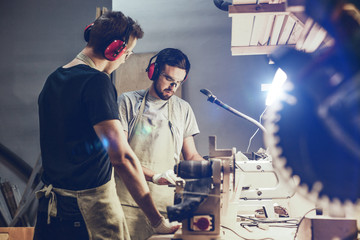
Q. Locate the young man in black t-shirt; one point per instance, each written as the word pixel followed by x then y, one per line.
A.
pixel 82 141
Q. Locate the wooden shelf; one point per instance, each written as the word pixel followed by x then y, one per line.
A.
pixel 259 27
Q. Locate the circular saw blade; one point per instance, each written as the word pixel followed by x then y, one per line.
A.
pixel 301 145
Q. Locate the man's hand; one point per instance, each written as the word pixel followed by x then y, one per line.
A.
pixel 165 227
pixel 166 178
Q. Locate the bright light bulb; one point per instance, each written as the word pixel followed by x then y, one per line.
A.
pixel 276 86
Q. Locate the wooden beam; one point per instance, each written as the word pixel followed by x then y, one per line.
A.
pixel 265 35
pixel 296 32
pixel 253 50
pixel 314 39
pixel 278 25
pixel 288 26
pixel 241 30
pixel 257 9
pixel 14 162
pixel 307 27
pixel 259 27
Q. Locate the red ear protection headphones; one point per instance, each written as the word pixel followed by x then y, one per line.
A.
pixel 116 48
pixel 87 32
pixel 153 70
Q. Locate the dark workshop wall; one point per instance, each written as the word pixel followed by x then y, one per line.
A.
pixel 36 37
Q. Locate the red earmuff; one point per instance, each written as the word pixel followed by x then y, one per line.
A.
pixel 87 32
pixel 151 71
pixel 115 50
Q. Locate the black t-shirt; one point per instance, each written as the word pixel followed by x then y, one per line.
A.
pixel 71 102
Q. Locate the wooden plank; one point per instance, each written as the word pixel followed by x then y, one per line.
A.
pixel 299 17
pixel 315 37
pixel 289 24
pixel 34 184
pixel 9 196
pixel 304 33
pixel 265 36
pixel 98 12
pixel 241 30
pixel 259 27
pixel 322 227
pixel 295 33
pixel 257 9
pixel 279 19
pixel 23 233
pixel 253 50
pixel 4 211
pixel 297 29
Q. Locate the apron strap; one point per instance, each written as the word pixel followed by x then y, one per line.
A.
pixel 138 117
pixel 141 111
pixel 47 191
pixel 172 130
pixel 86 60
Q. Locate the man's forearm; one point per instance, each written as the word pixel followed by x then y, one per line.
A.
pixel 136 185
pixel 127 165
pixel 148 173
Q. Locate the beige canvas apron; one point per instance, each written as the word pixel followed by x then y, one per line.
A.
pixel 100 208
pixel 153 142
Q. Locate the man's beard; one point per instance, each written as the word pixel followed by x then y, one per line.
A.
pixel 160 94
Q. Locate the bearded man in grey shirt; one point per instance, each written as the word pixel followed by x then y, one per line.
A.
pixel 159 127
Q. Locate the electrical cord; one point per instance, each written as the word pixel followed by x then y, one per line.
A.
pixel 290 225
pixel 233 231
pixel 250 140
pixel 289 221
pixel 303 217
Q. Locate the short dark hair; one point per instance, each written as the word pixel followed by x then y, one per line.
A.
pixel 173 57
pixel 110 26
